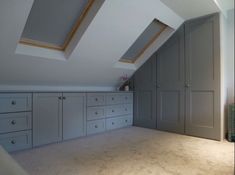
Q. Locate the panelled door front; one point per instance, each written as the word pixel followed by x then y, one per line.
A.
pixel 203 72
pixel 47 118
pixel 145 95
pixel 170 84
pixel 74 115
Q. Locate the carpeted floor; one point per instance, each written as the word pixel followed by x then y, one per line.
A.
pixel 131 151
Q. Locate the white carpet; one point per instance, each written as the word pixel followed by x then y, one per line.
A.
pixel 131 151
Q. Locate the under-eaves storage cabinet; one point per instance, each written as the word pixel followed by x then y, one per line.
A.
pixel 58 116
pixel 108 111
pixel 15 121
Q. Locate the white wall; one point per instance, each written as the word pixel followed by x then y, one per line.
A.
pixel 229 61
pixel 227 64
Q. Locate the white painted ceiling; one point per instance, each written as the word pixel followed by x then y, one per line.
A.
pixel 93 59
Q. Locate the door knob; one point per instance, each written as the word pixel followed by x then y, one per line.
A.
pixel 187 85
pixel 13 103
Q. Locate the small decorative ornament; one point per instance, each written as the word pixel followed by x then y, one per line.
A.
pixel 126 88
pixel 124 83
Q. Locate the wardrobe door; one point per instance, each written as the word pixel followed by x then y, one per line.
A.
pixel 170 84
pixel 202 49
pixel 74 115
pixel 47 118
pixel 145 95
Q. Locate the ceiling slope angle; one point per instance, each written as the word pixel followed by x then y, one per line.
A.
pixel 106 33
pixel 53 26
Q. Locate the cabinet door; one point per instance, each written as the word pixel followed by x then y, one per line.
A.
pixel 145 95
pixel 74 113
pixel 203 75
pixel 47 118
pixel 170 84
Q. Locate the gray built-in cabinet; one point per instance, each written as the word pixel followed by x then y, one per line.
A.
pixel 145 95
pixel 34 119
pixel 57 117
pixel 108 111
pixel 185 73
pixel 16 121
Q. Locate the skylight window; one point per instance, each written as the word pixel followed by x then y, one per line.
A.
pixel 150 34
pixel 52 23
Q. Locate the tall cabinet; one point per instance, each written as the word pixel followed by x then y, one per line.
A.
pixel 202 53
pixel 145 95
pixel 170 84
pixel 187 81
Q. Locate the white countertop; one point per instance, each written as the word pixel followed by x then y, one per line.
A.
pixel 8 166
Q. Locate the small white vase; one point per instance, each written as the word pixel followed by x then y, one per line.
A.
pixel 126 88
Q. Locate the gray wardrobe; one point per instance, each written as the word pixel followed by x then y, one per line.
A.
pixel 178 88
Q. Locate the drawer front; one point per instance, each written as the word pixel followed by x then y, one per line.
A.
pixel 16 140
pixel 95 113
pixel 114 123
pixel 127 109
pixel 95 99
pixel 113 98
pixel 15 122
pixel 95 126
pixel 15 102
pixel 127 98
pixel 127 120
pixel 114 110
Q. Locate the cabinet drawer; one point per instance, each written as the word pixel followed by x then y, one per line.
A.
pixel 114 123
pixel 113 98
pixel 16 140
pixel 127 120
pixel 15 122
pixel 95 99
pixel 126 97
pixel 15 102
pixel 114 110
pixel 95 113
pixel 95 126
pixel 127 109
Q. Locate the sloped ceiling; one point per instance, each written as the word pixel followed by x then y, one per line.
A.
pixel 93 61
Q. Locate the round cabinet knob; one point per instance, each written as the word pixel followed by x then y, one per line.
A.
pixel 96 126
pixel 113 111
pixel 187 85
pixel 60 98
pixel 112 123
pixel 13 142
pixel 13 122
pixel 96 99
pixel 13 103
pixel 112 98
pixel 126 121
pixel 96 113
pixel 125 109
pixel 64 98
